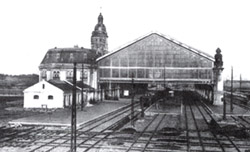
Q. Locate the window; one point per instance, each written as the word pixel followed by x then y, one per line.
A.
pixel 57 55
pixel 85 74
pixel 140 73
pixel 43 86
pixel 36 97
pixel 124 73
pixel 50 97
pixel 56 75
pixel 44 75
pixel 69 75
pixel 106 73
pixel 115 73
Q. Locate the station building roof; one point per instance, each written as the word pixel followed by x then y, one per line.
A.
pixel 69 55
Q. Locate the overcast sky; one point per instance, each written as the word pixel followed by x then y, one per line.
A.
pixel 28 28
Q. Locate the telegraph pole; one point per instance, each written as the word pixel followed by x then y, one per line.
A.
pixel 224 102
pixel 164 77
pixel 73 115
pixel 231 99
pixel 82 101
pixel 132 102
pixel 84 59
pixel 240 83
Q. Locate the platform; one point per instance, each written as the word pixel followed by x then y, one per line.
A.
pixel 62 117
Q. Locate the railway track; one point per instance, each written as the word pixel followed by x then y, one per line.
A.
pixel 196 132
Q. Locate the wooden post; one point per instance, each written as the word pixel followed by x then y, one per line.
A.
pixel 73 116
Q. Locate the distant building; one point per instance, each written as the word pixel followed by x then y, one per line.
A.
pixel 51 94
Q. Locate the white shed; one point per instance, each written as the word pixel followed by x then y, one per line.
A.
pixel 51 94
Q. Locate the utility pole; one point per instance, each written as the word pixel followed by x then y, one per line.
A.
pixel 132 102
pixel 240 83
pixel 73 115
pixel 231 99
pixel 82 101
pixel 224 102
pixel 164 77
pixel 84 59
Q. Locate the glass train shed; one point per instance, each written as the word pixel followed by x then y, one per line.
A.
pixel 154 60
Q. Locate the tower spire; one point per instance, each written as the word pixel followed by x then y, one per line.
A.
pixel 99 37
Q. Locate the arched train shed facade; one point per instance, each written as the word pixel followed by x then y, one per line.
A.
pixel 155 60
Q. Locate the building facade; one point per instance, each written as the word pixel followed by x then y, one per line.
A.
pixel 153 60
pixel 57 63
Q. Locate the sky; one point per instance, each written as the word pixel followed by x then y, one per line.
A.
pixel 29 28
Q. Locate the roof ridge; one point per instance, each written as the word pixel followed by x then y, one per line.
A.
pixel 72 84
pixel 173 40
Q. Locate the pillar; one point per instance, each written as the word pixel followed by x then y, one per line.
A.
pixel 218 86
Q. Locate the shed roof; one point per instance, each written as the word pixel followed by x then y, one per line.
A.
pixel 80 85
pixel 206 55
pixel 63 85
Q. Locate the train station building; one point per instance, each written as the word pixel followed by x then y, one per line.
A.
pixel 152 62
pixel 156 61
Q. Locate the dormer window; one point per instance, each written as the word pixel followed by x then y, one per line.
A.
pixel 69 75
pixel 56 75
pixel 57 55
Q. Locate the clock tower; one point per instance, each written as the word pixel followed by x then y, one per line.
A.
pixel 99 38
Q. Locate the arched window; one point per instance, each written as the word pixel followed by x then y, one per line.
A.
pixel 50 97
pixel 56 75
pixel 36 97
